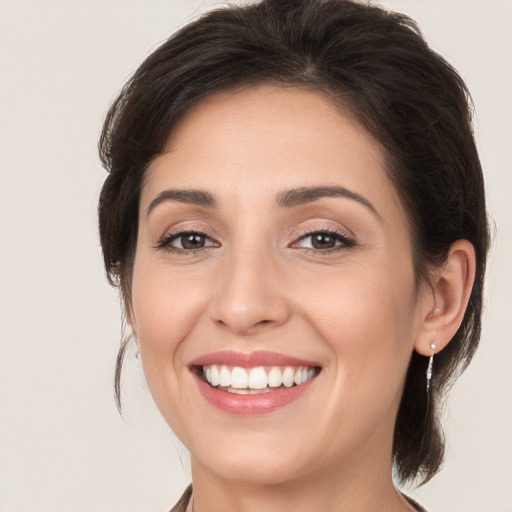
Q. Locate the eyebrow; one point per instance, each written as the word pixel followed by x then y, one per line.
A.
pixel 197 197
pixel 305 195
pixel 287 199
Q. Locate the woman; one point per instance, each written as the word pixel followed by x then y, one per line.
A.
pixel 295 216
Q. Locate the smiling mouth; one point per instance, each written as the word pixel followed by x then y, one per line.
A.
pixel 256 380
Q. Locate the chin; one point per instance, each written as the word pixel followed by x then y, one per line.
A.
pixel 255 468
pixel 249 457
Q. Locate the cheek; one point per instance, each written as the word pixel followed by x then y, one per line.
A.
pixel 165 307
pixel 367 318
pixel 367 322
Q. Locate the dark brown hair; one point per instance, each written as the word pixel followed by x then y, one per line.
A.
pixel 378 66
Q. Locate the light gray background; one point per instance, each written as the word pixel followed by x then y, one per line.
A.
pixel 63 446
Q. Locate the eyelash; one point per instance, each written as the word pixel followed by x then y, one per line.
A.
pixel 165 242
pixel 345 242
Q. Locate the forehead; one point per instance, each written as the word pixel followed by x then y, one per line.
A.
pixel 269 138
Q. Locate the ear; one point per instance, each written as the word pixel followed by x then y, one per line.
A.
pixel 449 294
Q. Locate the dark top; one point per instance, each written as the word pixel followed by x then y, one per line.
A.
pixel 181 506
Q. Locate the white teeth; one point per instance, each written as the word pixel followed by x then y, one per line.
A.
pixel 256 380
pixel 288 377
pixel 214 376
pixel 239 378
pixel 224 376
pixel 275 377
pixel 248 391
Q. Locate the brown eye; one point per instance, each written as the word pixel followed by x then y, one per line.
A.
pixel 192 241
pixel 186 241
pixel 322 241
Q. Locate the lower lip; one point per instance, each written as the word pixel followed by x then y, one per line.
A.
pixel 248 405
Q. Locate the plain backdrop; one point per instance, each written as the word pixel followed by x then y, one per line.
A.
pixel 63 446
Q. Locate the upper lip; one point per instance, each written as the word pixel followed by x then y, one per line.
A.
pixel 250 359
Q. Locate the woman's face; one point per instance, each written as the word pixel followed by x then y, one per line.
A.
pixel 272 247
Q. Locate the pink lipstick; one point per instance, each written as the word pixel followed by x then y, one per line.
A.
pixel 252 383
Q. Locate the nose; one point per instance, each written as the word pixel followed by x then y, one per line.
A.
pixel 250 294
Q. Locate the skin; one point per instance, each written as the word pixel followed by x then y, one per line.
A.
pixel 258 285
